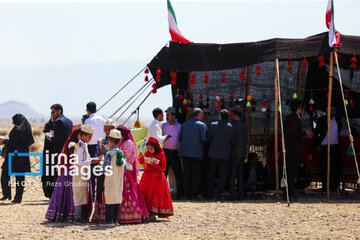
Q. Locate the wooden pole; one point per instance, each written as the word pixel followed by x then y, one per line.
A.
pixel 276 132
pixel 331 63
pixel 299 81
pixel 247 114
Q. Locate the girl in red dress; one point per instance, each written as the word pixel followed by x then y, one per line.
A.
pixel 153 184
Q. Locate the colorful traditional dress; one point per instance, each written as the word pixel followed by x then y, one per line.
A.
pixel 153 184
pixel 133 208
pixel 61 207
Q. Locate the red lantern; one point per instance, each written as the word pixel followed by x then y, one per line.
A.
pixel 201 97
pixel 290 68
pixel 181 97
pixel 263 102
pixel 231 98
pixel 217 105
pixel 346 96
pixel 311 108
pixel 248 110
pixel 206 78
pixel 242 74
pixel 353 62
pixel 258 69
pixel 223 75
pixel 321 60
pixel 304 62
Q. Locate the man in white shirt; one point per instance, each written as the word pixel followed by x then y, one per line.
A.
pixel 97 122
pixel 155 129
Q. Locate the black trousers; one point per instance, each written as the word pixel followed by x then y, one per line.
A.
pixel 222 166
pixel 237 173
pixel 172 160
pixel 92 151
pixel 100 186
pixel 292 161
pixel 192 176
pixel 111 213
pixel 48 181
pixel 335 166
pixel 6 185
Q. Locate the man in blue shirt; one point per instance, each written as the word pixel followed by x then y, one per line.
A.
pixel 193 137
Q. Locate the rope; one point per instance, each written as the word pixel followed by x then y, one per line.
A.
pixel 121 89
pixel 347 118
pixel 130 99
pixel 134 101
pixel 137 109
pixel 282 134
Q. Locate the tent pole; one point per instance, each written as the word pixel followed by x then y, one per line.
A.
pixel 331 63
pixel 247 115
pixel 276 133
pixel 299 80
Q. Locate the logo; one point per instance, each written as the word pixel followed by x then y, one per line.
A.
pixel 16 153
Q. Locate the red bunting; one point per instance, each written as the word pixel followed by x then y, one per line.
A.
pixel 158 72
pixel 304 62
pixel 146 71
pixel 206 78
pixel 192 81
pixel 290 63
pixel 321 60
pixel 223 75
pixel 258 69
pixel 242 74
pixel 353 62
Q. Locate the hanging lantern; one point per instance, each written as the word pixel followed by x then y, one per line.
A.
pixel 185 95
pixel 248 104
pixel 290 68
pixel 353 62
pixel 158 73
pixel 181 97
pixel 321 60
pixel 295 96
pixel 258 69
pixel 304 63
pixel 231 103
pixel 252 114
pixel 201 97
pixel 223 75
pixel 206 78
pixel 248 110
pixel 192 81
pixel 217 98
pixel 311 102
pixel 263 110
pixel 263 102
pixel 231 98
pixel 184 101
pixel 217 105
pixel 346 102
pixel 248 98
pixel 311 108
pixel 242 74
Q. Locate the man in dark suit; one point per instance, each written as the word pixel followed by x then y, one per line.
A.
pixel 57 137
pixel 238 155
pixel 294 145
pixel 322 141
pixel 221 140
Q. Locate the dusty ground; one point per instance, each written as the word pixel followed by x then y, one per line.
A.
pixel 267 219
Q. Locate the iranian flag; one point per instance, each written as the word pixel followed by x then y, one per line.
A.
pixel 334 36
pixel 175 33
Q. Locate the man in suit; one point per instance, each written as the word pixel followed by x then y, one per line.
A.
pixel 238 155
pixel 294 145
pixel 221 141
pixel 322 141
pixel 57 137
pixel 193 137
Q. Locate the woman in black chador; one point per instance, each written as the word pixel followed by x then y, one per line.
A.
pixel 20 139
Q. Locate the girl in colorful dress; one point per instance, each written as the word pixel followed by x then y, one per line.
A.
pixel 61 207
pixel 133 208
pixel 153 184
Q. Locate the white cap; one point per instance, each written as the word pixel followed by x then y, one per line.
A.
pixel 110 123
pixel 87 129
pixel 115 134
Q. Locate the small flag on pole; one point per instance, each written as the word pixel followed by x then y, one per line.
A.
pixel 334 35
pixel 175 33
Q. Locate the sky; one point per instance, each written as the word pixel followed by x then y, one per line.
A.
pixel 75 52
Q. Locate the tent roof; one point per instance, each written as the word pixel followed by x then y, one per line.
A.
pixel 210 57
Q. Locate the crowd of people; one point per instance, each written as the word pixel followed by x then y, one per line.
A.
pixel 207 159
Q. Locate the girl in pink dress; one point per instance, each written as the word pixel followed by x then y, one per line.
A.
pixel 133 207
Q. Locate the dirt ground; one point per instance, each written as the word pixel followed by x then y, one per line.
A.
pixel 310 218
pixel 266 219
